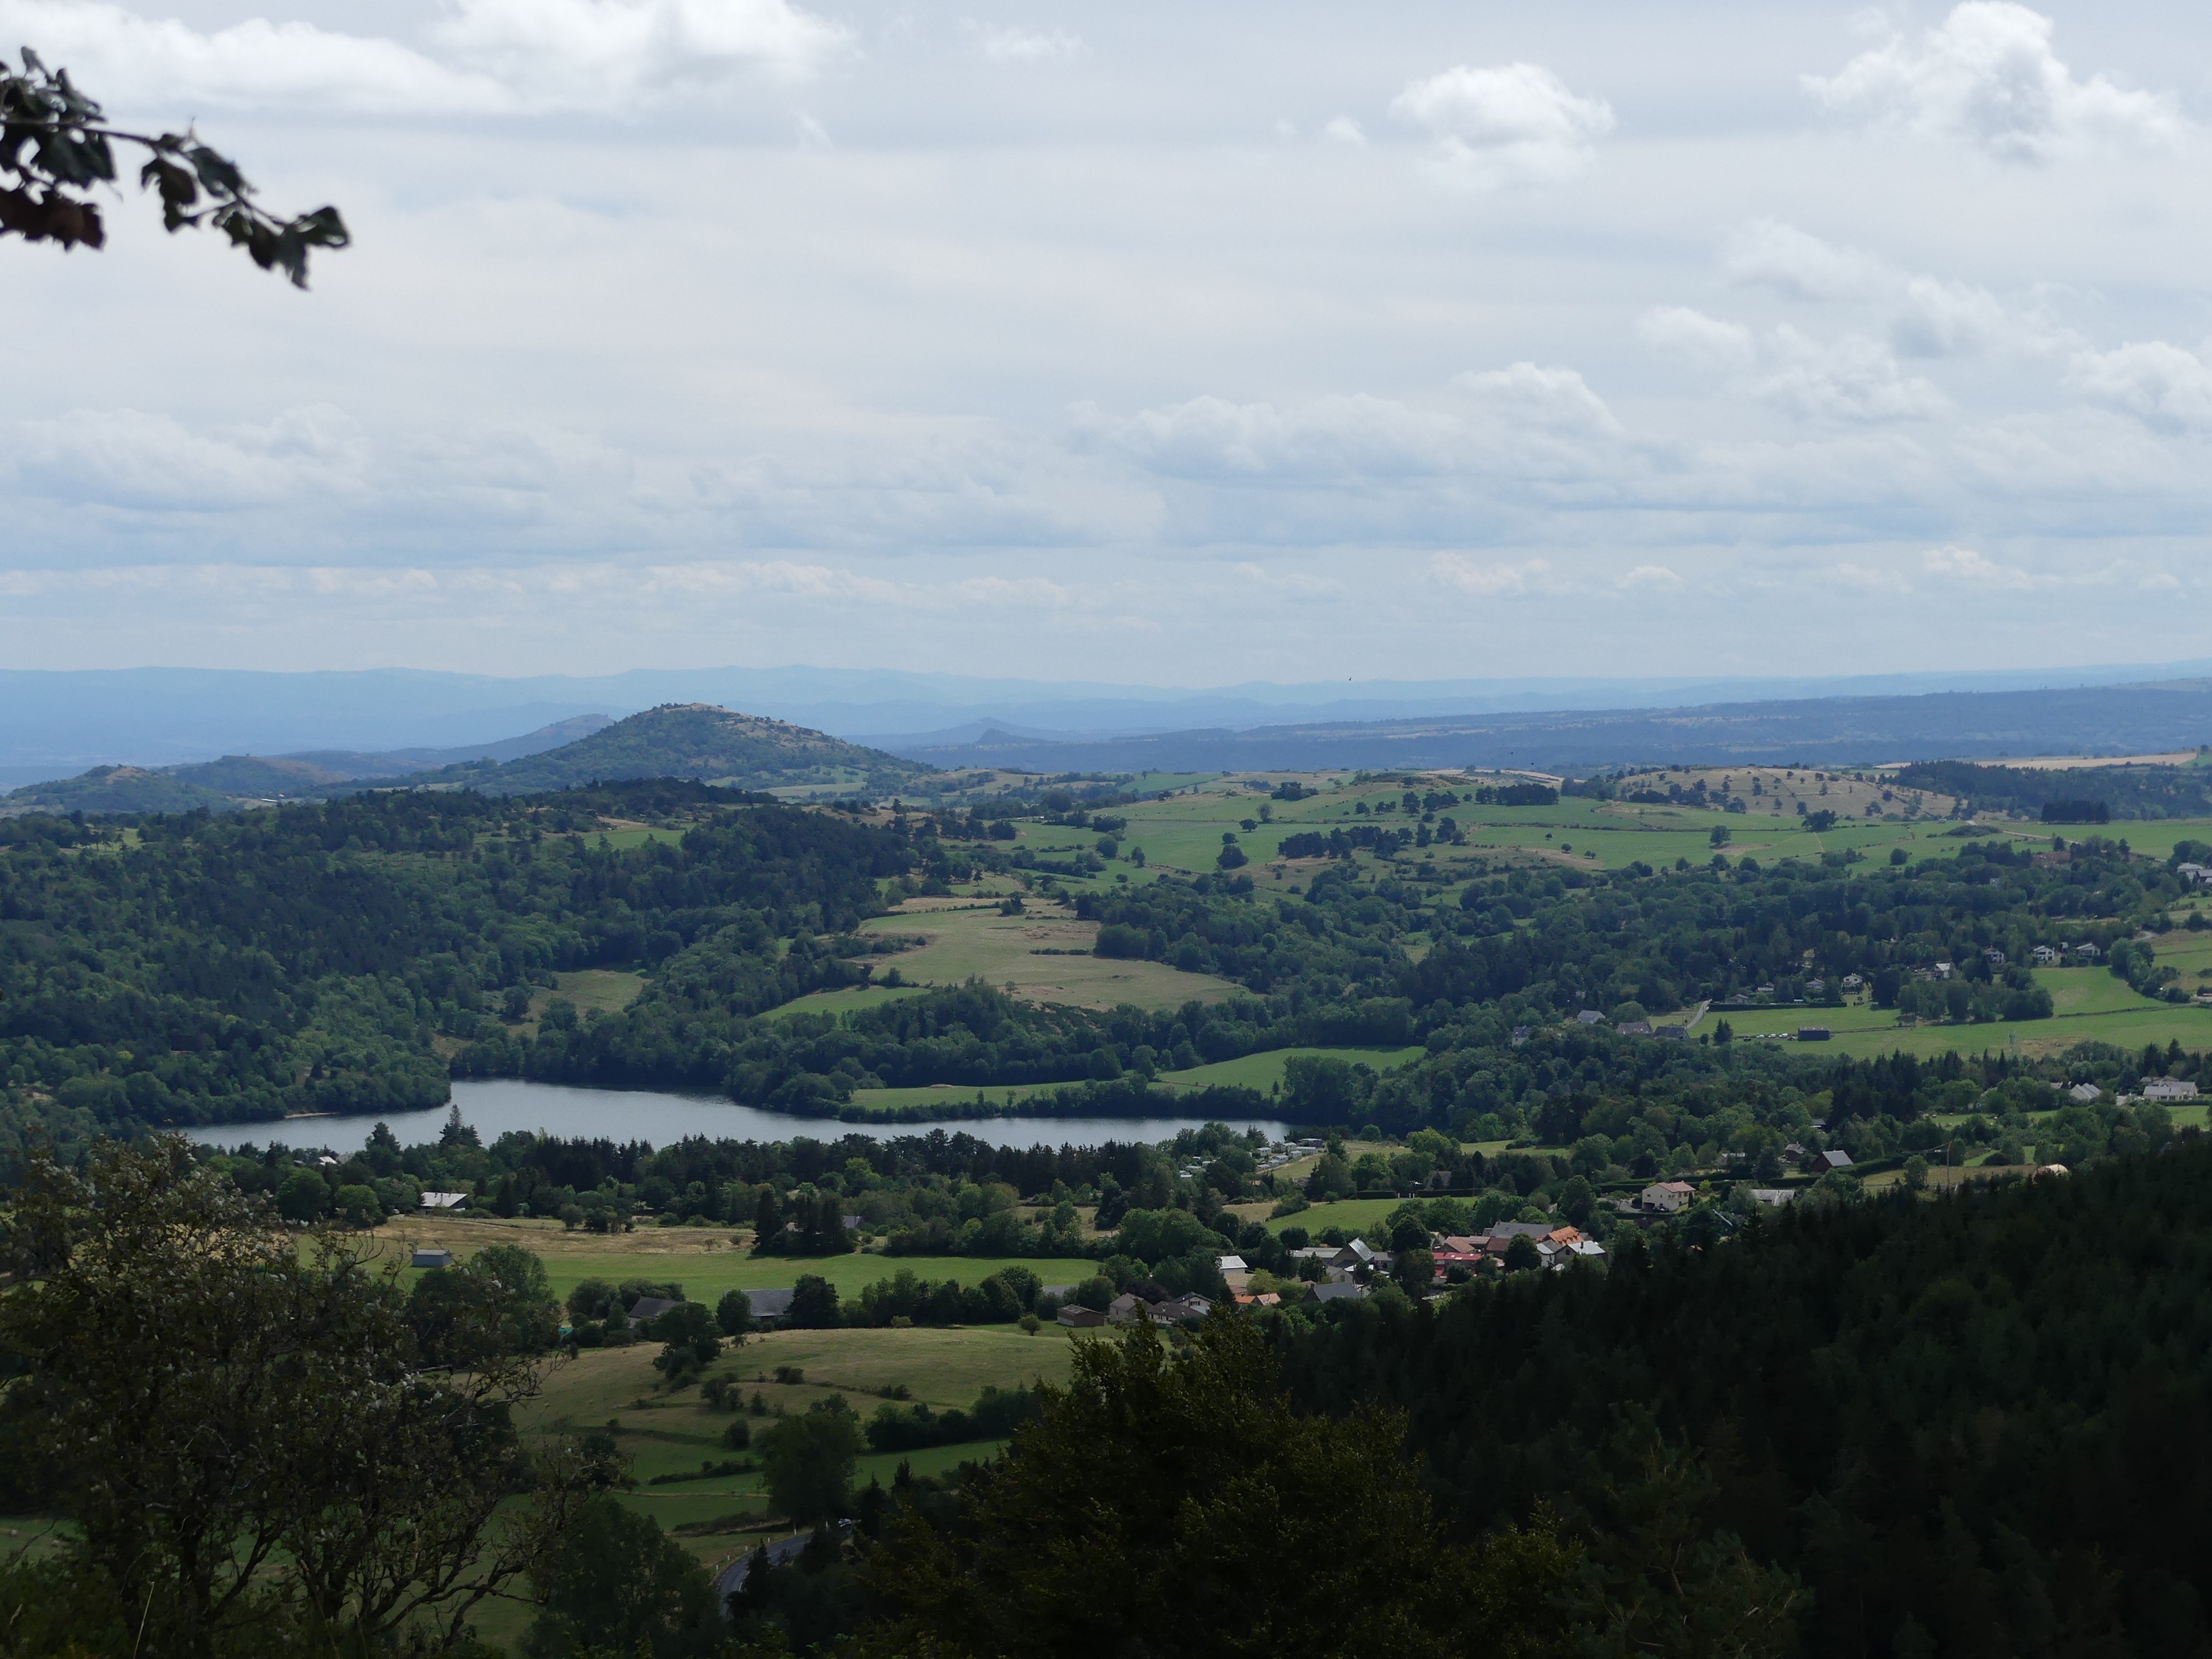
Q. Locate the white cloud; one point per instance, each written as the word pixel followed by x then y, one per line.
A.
pixel 1550 397
pixel 483 57
pixel 1343 129
pixel 1515 123
pixel 1490 580
pixel 2167 389
pixel 1314 440
pixel 1768 254
pixel 1987 73
pixel 1851 379
pixel 1650 575
pixel 1015 45
pixel 125 457
pixel 1713 345
pixel 1937 319
pixel 1871 579
pixel 1966 565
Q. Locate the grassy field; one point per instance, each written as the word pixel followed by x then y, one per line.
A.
pixel 1182 834
pixel 666 1433
pixel 1350 1213
pixel 701 1259
pixel 948 1094
pixel 2088 1004
pixel 1265 1071
pixel 847 998
pixel 1023 952
pixel 604 988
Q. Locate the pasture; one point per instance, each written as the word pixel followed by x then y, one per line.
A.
pixel 1044 956
pixel 700 1259
pixel 1265 1071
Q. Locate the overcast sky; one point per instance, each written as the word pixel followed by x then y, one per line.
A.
pixel 1183 343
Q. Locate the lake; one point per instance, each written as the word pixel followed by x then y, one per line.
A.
pixel 492 1107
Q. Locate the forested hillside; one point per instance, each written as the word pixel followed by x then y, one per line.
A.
pixel 1971 1427
pixel 350 957
pixel 692 740
pixel 327 957
pixel 2125 792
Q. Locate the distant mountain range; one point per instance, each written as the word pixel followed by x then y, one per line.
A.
pixel 53 724
pixel 2099 719
pixel 689 740
pixel 697 739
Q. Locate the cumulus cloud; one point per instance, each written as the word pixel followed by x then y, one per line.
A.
pixel 2167 389
pixel 1550 397
pixel 1851 379
pixel 1966 565
pixel 1490 580
pixel 1516 122
pixel 1716 346
pixel 1768 254
pixel 483 57
pixel 1649 576
pixel 1929 316
pixel 1988 75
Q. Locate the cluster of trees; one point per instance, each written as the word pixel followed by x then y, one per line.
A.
pixel 2124 792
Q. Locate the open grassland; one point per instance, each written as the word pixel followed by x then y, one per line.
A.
pixel 604 989
pixel 949 1095
pixel 700 1259
pixel 1044 955
pixel 1261 1071
pixel 1182 833
pixel 1264 1071
pixel 668 1433
pixel 844 1000
pixel 1350 1213
pixel 2089 1005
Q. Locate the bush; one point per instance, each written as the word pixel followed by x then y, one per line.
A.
pixel 1118 938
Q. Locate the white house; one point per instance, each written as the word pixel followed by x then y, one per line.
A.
pixel 2044 956
pixel 2085 1093
pixel 2088 951
pixel 1666 1196
pixel 1941 970
pixel 2169 1088
pixel 444 1201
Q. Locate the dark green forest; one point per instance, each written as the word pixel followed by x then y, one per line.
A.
pixel 1975 1426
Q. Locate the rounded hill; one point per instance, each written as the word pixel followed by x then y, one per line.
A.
pixel 696 740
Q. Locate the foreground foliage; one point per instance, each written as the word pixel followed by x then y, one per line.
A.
pixel 1170 1506
pixel 243 1433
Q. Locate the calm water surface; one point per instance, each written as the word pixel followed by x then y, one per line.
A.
pixel 496 1106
